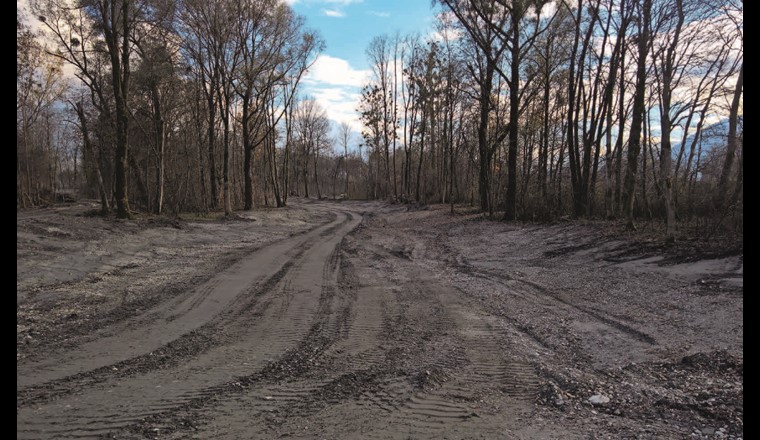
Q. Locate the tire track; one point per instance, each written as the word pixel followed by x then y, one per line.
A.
pixel 342 350
pixel 404 355
pixel 542 294
pixel 257 343
pixel 175 352
pixel 174 320
pixel 440 398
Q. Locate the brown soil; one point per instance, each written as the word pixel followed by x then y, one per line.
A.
pixel 368 320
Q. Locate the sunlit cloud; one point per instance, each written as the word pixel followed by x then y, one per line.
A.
pixel 340 103
pixel 336 86
pixel 335 71
pixel 333 13
pixel 549 9
pixel 450 34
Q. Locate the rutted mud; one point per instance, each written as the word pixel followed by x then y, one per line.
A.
pixel 375 321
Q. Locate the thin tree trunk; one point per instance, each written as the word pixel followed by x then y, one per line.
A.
pixel 634 144
pixel 226 165
pixel 609 212
pixel 211 148
pixel 728 164
pixel 483 147
pixel 422 151
pixel 510 212
pixel 316 176
pixel 618 151
pixel 247 155
pixel 104 207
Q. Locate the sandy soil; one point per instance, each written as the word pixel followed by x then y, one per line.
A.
pixel 368 320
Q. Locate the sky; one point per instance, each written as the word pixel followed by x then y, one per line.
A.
pixel 347 27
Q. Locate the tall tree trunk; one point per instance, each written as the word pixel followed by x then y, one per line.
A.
pixel 667 179
pixel 618 151
pixel 484 185
pixel 345 165
pixel 286 158
pixel 728 164
pixel 668 70
pixel 225 113
pixel 609 212
pixel 643 179
pixel 544 153
pixel 211 147
pixel 571 126
pixel 510 212
pixel 247 155
pixel 316 175
pixel 395 115
pixel 422 152
pixel 160 140
pixel 161 171
pixel 118 43
pixel 305 175
pixel 273 154
pixel 104 207
pixel 634 143
pixel 226 179
pixel 273 171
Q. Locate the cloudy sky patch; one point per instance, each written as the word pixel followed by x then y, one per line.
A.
pixel 333 13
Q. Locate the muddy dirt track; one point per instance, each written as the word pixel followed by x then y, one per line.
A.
pixel 364 320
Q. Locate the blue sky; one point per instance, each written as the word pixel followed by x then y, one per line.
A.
pixel 347 27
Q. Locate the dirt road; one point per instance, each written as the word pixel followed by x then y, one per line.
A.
pixel 363 320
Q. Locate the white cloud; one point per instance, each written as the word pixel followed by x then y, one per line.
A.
pixel 333 13
pixel 335 71
pixel 340 105
pixel 381 14
pixel 337 87
pixel 440 37
pixel 549 9
pixel 445 26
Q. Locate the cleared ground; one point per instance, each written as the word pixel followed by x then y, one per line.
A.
pixel 368 320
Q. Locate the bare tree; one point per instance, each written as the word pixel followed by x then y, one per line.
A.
pixel 344 136
pixel 732 141
pixel 38 86
pixel 276 50
pixel 634 140
pixel 312 128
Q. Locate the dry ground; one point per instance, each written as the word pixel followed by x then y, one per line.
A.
pixel 368 320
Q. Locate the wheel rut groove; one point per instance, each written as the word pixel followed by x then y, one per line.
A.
pixel 234 342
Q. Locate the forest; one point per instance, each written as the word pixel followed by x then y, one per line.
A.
pixel 527 110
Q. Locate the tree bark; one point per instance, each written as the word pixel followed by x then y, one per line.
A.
pixel 104 207
pixel 634 142
pixel 484 187
pixel 510 212
pixel 731 146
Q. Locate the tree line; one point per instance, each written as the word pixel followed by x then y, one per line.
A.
pixel 538 109
pixel 524 109
pixel 176 104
